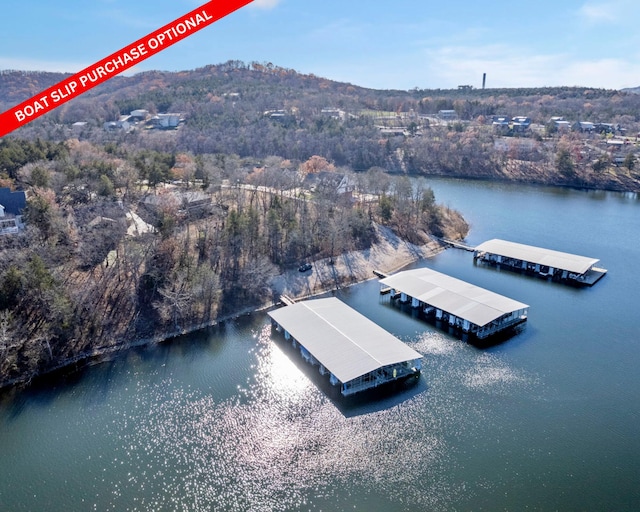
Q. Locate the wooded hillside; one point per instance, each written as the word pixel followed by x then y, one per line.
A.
pixel 260 110
pixel 123 244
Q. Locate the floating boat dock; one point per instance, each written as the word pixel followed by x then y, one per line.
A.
pixel 355 352
pixel 560 266
pixel 458 304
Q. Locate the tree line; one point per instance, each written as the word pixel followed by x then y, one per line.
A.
pixel 226 106
pixel 210 232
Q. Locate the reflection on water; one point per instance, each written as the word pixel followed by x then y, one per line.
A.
pixel 284 446
pixel 232 419
pixel 277 370
pixel 160 438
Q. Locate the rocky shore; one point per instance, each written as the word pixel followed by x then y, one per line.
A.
pixel 389 254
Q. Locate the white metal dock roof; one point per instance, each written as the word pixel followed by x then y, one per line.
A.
pixel 459 298
pixel 345 342
pixel 547 257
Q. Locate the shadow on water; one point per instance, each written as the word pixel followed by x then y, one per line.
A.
pixel 102 372
pixel 43 391
pixel 190 346
pixel 381 398
pixel 499 338
pixel 369 401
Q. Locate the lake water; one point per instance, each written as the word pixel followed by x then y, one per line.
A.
pixel 230 420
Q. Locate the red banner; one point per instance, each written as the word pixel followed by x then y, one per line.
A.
pixel 117 62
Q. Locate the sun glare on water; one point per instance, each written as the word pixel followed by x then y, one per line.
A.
pixel 278 371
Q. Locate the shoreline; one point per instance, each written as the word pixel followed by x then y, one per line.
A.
pixel 388 254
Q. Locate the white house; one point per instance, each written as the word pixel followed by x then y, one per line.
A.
pixel 166 120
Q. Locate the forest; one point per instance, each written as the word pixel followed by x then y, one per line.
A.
pixel 228 108
pixel 124 245
pixel 135 232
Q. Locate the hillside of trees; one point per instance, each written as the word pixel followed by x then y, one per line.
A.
pixel 124 244
pixel 227 110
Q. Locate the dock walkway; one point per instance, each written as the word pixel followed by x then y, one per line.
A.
pixel 456 244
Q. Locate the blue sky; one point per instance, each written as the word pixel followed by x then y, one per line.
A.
pixel 396 44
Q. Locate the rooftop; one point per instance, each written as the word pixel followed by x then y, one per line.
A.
pixel 538 255
pixel 13 202
pixel 459 298
pixel 345 342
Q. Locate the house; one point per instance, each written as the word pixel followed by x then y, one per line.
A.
pixel 9 225
pixel 139 114
pixel 189 201
pixel 121 124
pixel 12 205
pixel 281 116
pixel 560 124
pixel 329 182
pixel 584 127
pixel 334 113
pixel 195 200
pixel 500 124
pixel 604 128
pixel 520 124
pixel 609 128
pixel 447 115
pixel 166 121
pixel 13 202
pixel 393 131
pixel 615 144
pixel 274 114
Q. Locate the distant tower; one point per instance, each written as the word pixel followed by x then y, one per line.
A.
pixel 484 79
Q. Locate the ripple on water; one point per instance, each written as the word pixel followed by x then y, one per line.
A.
pixel 282 446
pixel 432 343
pixel 490 374
pixel 271 439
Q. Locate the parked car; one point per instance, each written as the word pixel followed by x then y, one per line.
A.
pixel 304 267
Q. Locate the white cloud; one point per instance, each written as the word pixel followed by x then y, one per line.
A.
pixel 619 12
pixel 265 4
pixel 505 66
pixel 509 66
pixel 599 13
pixel 611 73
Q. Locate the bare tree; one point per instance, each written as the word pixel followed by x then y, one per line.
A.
pixel 178 298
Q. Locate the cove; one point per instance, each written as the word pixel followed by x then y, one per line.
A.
pixel 226 419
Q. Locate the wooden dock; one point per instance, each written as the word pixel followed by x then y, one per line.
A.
pixel 286 300
pixel 456 244
pixel 384 290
